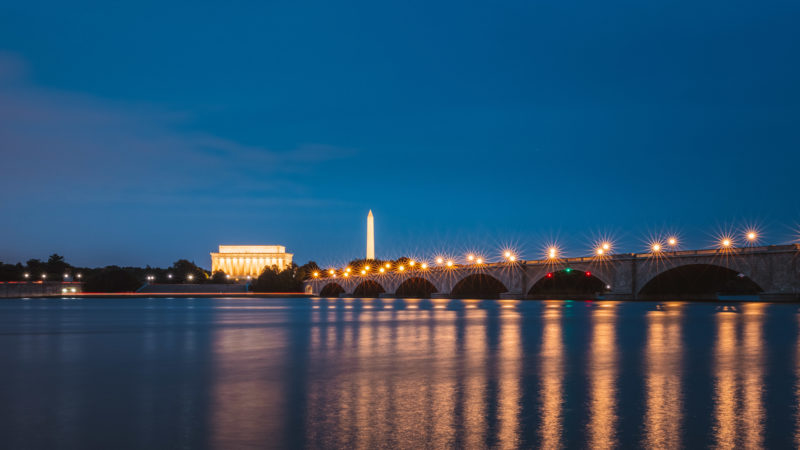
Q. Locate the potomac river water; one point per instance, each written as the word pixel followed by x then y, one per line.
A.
pixel 230 373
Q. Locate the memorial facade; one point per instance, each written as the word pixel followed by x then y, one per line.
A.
pixel 240 261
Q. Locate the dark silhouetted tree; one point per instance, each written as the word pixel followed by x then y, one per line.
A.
pixel 306 271
pixel 112 279
pixel 182 268
pixel 219 277
pixel 274 280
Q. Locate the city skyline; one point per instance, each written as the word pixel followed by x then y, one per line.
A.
pixel 519 126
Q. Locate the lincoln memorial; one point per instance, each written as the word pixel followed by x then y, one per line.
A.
pixel 249 260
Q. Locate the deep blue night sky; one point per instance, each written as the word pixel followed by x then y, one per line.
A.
pixel 143 133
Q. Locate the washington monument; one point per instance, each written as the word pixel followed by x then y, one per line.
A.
pixel 370 236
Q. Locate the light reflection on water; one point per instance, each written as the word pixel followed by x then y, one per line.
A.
pixel 366 373
pixel 663 353
pixel 603 378
pixel 551 377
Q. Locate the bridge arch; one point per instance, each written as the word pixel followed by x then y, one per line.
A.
pixel 478 285
pixel 568 283
pixel 368 288
pixel 698 281
pixel 605 272
pixel 416 287
pixel 331 290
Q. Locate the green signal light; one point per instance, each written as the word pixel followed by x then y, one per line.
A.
pixel 568 270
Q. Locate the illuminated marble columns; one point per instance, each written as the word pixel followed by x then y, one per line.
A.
pixel 240 261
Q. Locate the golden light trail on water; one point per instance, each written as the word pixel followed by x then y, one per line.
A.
pixel 663 365
pixel 752 375
pixel 603 377
pixel 510 380
pixel 551 375
pixel 725 380
pixel 739 377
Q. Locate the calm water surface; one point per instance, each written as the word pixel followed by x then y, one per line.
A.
pixel 264 373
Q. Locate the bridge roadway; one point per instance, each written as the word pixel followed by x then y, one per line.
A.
pixel 775 269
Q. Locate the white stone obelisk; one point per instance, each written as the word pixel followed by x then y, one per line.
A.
pixel 370 236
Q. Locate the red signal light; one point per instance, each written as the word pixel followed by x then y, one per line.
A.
pixel 588 274
pixel 549 275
